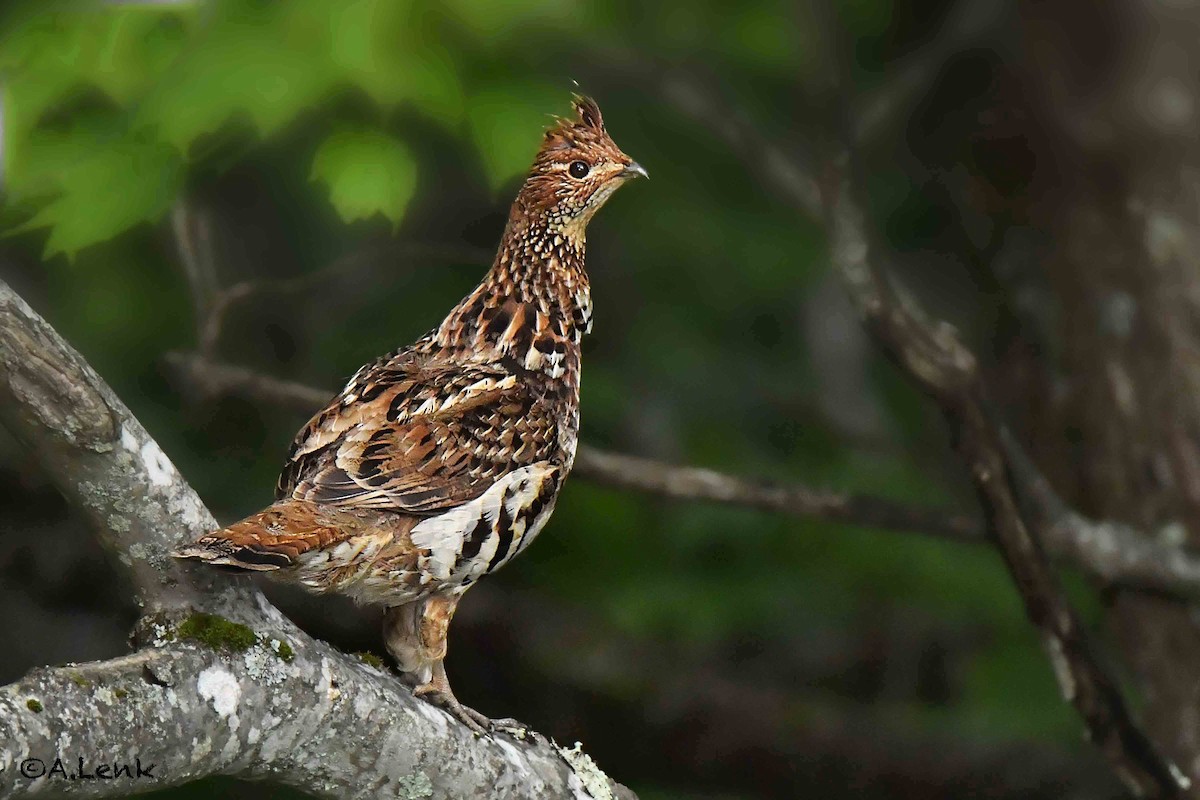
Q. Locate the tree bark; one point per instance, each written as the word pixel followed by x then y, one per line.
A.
pixel 1118 360
pixel 939 364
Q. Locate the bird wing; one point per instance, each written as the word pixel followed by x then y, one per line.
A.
pixel 419 437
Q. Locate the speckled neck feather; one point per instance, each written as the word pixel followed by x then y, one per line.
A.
pixel 534 301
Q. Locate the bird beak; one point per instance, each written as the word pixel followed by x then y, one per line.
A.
pixel 634 170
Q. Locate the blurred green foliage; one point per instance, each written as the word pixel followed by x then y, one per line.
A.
pixel 148 84
pixel 364 120
pixel 368 172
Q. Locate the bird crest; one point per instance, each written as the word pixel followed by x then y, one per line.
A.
pixel 586 127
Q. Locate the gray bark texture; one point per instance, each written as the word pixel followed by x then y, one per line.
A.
pixel 220 681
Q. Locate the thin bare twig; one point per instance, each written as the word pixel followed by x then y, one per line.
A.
pixel 794 499
pixel 193 239
pixel 215 378
pixel 408 253
pixel 212 303
pixel 1109 551
pixel 934 358
pixel 773 166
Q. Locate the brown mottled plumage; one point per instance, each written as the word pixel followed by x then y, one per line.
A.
pixel 440 462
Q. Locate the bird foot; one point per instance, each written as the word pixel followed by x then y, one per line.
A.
pixel 479 724
pixel 443 698
pixel 514 728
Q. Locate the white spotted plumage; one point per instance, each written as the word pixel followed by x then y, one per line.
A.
pixel 446 536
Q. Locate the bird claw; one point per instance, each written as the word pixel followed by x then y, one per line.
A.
pixel 444 699
pixel 476 722
pixel 514 728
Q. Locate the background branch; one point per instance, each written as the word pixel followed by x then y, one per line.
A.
pixel 933 357
pixel 1106 550
pixel 228 298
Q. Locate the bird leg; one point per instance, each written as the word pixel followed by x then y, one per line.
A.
pixel 437 691
pixel 415 634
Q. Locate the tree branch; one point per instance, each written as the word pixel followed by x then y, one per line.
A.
pixel 797 500
pixel 772 164
pixel 224 300
pixel 939 364
pixel 100 457
pixel 1112 552
pixel 322 721
pixel 625 471
pixel 237 690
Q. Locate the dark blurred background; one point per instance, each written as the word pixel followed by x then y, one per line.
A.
pixel 297 187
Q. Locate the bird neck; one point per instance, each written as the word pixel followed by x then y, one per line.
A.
pixel 534 303
pixel 540 261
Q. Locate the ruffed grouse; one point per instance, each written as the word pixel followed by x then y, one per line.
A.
pixel 440 462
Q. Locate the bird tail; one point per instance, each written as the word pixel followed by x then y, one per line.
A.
pixel 272 539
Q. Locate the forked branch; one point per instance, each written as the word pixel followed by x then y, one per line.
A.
pixel 934 358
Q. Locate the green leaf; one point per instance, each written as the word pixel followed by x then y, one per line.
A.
pixel 500 23
pixel 506 122
pixel 36 166
pixel 259 65
pixel 383 48
pixel 120 51
pixel 133 48
pixel 34 56
pixel 116 186
pixel 367 172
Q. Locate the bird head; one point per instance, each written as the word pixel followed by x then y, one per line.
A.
pixel 576 170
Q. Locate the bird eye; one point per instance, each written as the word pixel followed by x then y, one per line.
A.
pixel 578 169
